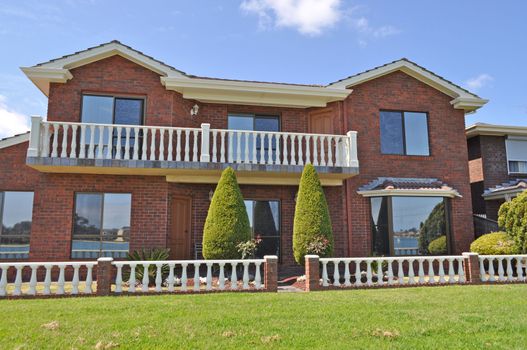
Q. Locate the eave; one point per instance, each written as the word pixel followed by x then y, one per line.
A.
pixel 495 130
pixel 410 193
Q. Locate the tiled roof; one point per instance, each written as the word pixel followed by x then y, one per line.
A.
pixel 10 137
pixel 516 185
pixel 404 183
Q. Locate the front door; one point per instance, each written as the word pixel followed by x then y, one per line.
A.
pixel 179 239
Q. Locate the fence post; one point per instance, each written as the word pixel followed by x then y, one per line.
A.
pixel 34 137
pixel 271 273
pixel 472 272
pixel 104 276
pixel 205 143
pixel 312 268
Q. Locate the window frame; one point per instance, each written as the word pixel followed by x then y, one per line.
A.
pixel 448 224
pixel 101 213
pixel 403 122
pixel 279 201
pixel 2 209
pixel 512 159
pixel 114 97
pixel 254 116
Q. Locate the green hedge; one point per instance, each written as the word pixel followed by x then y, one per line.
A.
pixel 227 223
pixel 438 246
pixel 311 215
pixel 512 216
pixel 495 243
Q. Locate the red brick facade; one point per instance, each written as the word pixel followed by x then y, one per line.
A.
pixel 151 195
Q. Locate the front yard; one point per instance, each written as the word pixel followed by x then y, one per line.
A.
pixel 453 317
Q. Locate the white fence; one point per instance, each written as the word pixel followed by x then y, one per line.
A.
pixel 503 268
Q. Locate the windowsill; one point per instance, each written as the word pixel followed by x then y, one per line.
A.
pixel 407 157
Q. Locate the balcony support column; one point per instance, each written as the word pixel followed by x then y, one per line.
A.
pixel 34 137
pixel 205 143
pixel 352 158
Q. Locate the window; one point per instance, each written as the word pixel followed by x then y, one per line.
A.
pixel 407 225
pixel 404 133
pixel 264 218
pixel 101 225
pixel 516 155
pixel 254 123
pixel 16 210
pixel 112 110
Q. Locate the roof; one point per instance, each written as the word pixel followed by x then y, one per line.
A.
pixel 462 98
pixel 219 90
pixel 495 130
pixel 506 190
pixel 405 186
pixel 14 140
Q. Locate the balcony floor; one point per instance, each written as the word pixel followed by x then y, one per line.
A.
pixel 191 172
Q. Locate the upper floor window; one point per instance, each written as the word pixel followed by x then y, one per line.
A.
pixel 16 210
pixel 254 122
pixel 101 225
pixel 112 110
pixel 516 155
pixel 404 133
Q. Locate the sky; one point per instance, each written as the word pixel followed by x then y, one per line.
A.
pixel 480 45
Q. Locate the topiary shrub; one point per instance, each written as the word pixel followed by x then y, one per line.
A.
pixel 495 243
pixel 227 223
pixel 438 246
pixel 512 216
pixel 311 216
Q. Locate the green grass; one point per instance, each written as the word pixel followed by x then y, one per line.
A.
pixel 453 317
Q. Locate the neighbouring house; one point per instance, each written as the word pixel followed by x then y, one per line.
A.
pixel 498 166
pixel 132 148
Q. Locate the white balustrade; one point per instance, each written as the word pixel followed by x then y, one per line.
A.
pixel 159 143
pixel 45 278
pixel 509 268
pixel 172 275
pixel 389 271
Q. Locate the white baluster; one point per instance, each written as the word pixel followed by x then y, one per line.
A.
pixel 501 272
pixel 308 150
pixel 461 271
pixel 369 279
pixel 61 282
pixel 45 142
pixel 400 272
pixel 431 273
pixel 209 276
pixel 89 279
pixel 54 146
pixel 325 274
pixel 47 279
pixel 270 149
pixel 178 145
pixel 184 277
pixel 451 272
pixel 110 142
pixel 257 276
pixel 482 272
pixel 234 278
pixel 145 143
pixel 322 151
pixel 421 271
pixel 171 279
pixel 390 272
pixel 285 161
pixel 33 280
pixel 146 278
pixel 126 143
pixel 75 280
pixel 221 277
pixel 441 271
pixel 299 153
pixel 153 134
pixel 492 277
pixel 161 144
pixel 196 277
pixel 237 151
pixel 338 153
pixel 132 281
pixel 411 274
pixel 3 280
pixel 519 269
pixel 347 277
pixel 214 146
pixel 100 146
pixel 63 153
pixel 222 147
pixel 18 280
pixel 255 153
pixel 336 273
pixel 195 147
pixel 119 278
pixel 278 152
pixel 73 148
pixel 509 269
pixel 230 154
pixel 358 274
pixel 136 143
pixel 159 279
pixel 170 146
pixel 293 144
pixel 262 148
pixel 245 275
pixel 330 150
pixel 315 150
pixel 380 274
pixel 246 147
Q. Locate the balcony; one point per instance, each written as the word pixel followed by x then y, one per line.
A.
pixel 190 155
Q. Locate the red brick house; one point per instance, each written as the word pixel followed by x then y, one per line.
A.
pixel 132 148
pixel 497 164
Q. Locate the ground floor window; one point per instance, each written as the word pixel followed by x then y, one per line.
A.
pixel 101 225
pixel 16 211
pixel 264 218
pixel 407 225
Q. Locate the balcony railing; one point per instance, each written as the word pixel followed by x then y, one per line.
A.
pixel 65 140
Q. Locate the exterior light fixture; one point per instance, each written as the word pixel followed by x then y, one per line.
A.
pixel 211 194
pixel 194 110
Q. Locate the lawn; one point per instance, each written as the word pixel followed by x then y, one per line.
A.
pixel 453 317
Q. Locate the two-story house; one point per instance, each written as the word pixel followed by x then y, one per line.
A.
pixel 132 148
pixel 498 165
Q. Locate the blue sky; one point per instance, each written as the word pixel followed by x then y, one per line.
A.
pixel 480 45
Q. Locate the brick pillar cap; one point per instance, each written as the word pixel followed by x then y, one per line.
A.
pixel 470 254
pixel 270 257
pixel 105 259
pixel 312 257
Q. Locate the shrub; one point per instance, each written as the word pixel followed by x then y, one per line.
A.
pixel 512 216
pixel 438 246
pixel 495 243
pixel 311 216
pixel 227 223
pixel 155 254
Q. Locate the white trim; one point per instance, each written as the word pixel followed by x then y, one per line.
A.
pixel 15 140
pixel 461 98
pixel 503 194
pixel 495 130
pixel 410 193
pixel 42 76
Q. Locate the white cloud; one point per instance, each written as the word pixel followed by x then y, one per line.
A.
pixel 479 81
pixel 11 122
pixel 309 17
pixel 362 26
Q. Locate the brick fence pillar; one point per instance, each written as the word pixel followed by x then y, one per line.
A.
pixel 472 267
pixel 271 273
pixel 312 272
pixel 104 276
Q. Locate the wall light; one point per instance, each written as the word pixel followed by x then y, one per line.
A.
pixel 194 110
